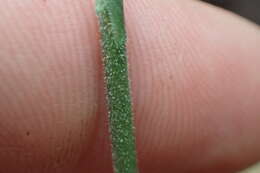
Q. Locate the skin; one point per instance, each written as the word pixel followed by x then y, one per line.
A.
pixel 195 85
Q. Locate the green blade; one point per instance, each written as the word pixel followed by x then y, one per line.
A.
pixel 111 21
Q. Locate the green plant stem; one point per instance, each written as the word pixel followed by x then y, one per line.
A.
pixel 111 21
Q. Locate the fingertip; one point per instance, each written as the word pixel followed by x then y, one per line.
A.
pixel 194 82
pixel 50 84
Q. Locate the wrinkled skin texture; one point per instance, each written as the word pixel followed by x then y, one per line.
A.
pixel 195 84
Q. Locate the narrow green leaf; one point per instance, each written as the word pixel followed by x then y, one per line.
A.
pixel 111 21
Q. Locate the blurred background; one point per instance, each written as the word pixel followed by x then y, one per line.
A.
pixel 249 9
pixel 246 8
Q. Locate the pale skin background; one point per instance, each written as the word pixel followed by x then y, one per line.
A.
pixel 195 84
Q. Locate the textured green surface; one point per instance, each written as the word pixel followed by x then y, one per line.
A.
pixel 111 19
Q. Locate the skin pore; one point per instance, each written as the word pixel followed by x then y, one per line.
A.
pixel 195 77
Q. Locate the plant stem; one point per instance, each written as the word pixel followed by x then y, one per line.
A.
pixel 111 21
